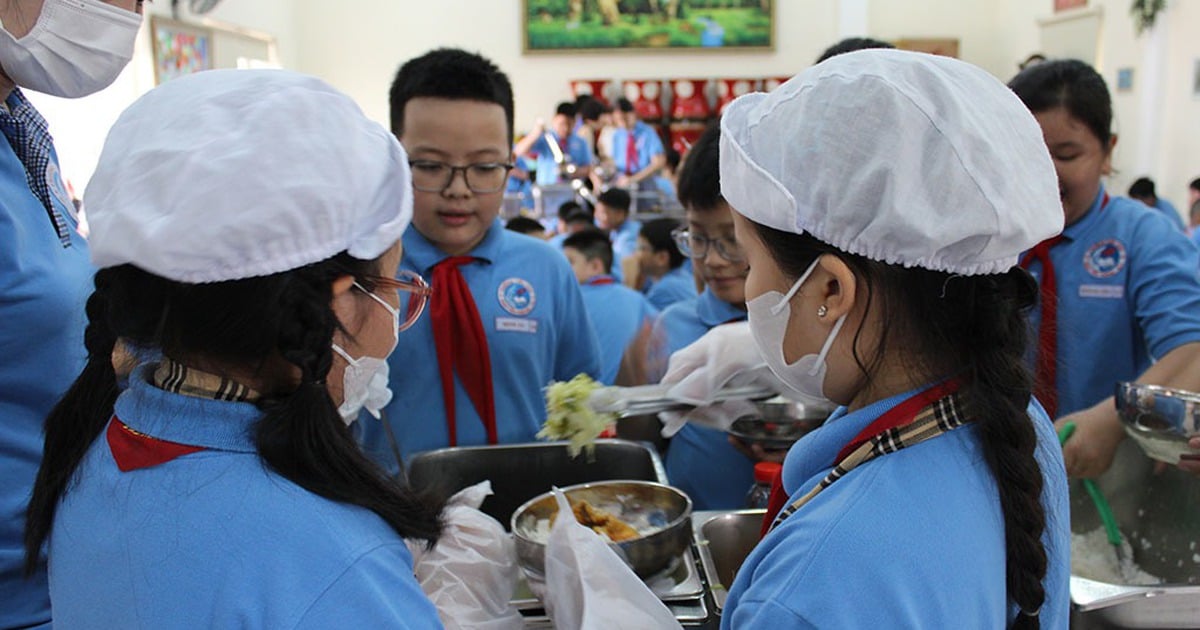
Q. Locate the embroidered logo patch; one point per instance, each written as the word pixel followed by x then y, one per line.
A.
pixel 1105 259
pixel 516 296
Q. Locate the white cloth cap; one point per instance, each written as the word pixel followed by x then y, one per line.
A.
pixel 904 158
pixel 231 174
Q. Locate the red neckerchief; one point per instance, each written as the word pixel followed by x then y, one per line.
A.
pixel 601 280
pixel 897 416
pixel 1046 366
pixel 462 346
pixel 133 450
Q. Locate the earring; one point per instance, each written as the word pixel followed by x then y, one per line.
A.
pixel 822 311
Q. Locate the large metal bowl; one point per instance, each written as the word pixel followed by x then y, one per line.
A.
pixel 1159 419
pixel 668 509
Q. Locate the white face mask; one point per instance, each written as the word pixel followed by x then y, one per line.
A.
pixel 365 381
pixel 769 314
pixel 76 48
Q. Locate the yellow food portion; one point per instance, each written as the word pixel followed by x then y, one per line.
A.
pixel 600 521
pixel 568 415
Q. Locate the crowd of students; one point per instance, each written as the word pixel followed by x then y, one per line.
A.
pixel 202 381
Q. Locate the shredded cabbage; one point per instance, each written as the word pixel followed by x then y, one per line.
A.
pixel 569 417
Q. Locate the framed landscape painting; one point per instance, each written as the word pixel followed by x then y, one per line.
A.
pixel 180 48
pixel 557 26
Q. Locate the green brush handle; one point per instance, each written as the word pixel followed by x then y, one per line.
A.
pixel 1106 514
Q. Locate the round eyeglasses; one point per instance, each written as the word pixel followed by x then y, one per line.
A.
pixel 695 246
pixel 412 291
pixel 434 176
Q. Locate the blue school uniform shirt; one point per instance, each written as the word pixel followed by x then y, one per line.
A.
pixel 700 460
pixel 1168 210
pixel 216 539
pixel 45 280
pixel 676 285
pixel 1127 293
pixel 648 144
pixel 618 314
pixel 537 331
pixel 624 241
pixel 913 539
pixel 576 152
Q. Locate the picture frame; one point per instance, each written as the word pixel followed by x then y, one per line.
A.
pixel 180 48
pixel 646 26
pixel 1067 5
pixel 1196 79
pixel 944 46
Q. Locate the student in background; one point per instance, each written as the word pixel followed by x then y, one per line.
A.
pixel 574 152
pixel 666 273
pixel 618 314
pixel 612 215
pixel 506 315
pixel 638 153
pixel 572 217
pixel 527 226
pixel 700 460
pixel 1124 279
pixel 1142 189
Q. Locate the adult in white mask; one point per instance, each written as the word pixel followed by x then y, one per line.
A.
pixel 65 48
pixel 882 199
pixel 246 226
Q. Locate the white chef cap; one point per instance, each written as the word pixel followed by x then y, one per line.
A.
pixel 901 157
pixel 231 174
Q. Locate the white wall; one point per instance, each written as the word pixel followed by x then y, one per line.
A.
pixel 360 55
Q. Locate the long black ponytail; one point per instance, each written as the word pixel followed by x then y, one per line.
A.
pixel 244 323
pixel 974 327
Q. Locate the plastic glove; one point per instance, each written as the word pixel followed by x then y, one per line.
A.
pixel 471 574
pixel 588 587
pixel 725 356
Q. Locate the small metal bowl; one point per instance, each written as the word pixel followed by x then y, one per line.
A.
pixel 772 436
pixel 666 509
pixel 1160 419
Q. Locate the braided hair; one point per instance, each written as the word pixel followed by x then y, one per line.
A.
pixel 241 323
pixel 974 327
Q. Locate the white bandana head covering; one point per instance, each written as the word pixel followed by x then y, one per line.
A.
pixel 231 174
pixel 901 157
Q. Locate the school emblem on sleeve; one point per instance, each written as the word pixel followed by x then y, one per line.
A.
pixel 517 296
pixel 1105 259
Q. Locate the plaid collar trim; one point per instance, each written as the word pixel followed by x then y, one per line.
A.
pixel 29 136
pixel 180 379
pixel 938 418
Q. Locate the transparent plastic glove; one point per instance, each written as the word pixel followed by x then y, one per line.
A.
pixel 725 356
pixel 588 587
pixel 472 572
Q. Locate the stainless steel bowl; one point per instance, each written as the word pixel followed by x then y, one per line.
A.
pixel 771 435
pixel 669 510
pixel 1159 419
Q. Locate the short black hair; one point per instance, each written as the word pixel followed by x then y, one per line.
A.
pixel 567 208
pixel 565 109
pixel 624 104
pixel 1072 85
pixel 851 44
pixel 453 74
pixel 699 182
pixel 593 244
pixel 616 198
pixel 524 225
pixel 672 157
pixel 1195 184
pixel 657 232
pixel 1142 188
pixel 590 109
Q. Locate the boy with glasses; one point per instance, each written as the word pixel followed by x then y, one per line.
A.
pixel 701 461
pixel 506 316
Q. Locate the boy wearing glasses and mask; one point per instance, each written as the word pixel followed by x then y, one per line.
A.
pixel 506 316
pixel 701 461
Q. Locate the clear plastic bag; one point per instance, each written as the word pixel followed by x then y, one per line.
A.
pixel 472 572
pixel 589 587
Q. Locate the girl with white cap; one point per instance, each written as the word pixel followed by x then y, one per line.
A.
pixel 66 48
pixel 246 225
pixel 883 277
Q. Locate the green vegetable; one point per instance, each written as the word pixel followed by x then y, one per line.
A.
pixel 569 417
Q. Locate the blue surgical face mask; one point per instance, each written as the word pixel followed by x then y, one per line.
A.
pixel 769 314
pixel 365 381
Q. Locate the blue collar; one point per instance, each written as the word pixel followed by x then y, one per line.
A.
pixel 1077 229
pixel 713 311
pixel 423 254
pixel 213 424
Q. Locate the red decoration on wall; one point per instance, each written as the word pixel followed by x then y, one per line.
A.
pixel 729 89
pixel 597 88
pixel 646 96
pixel 691 99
